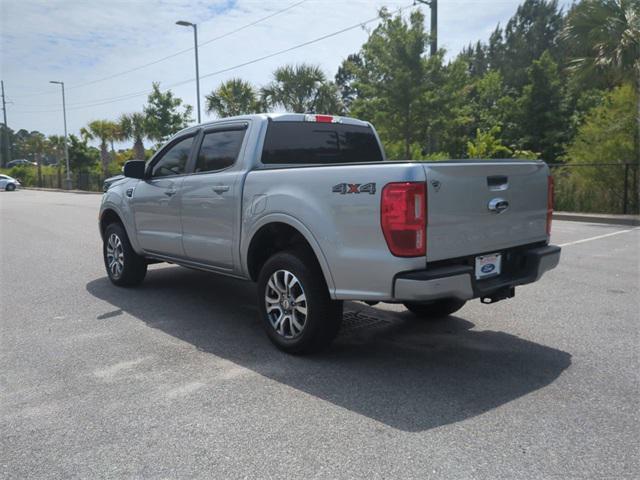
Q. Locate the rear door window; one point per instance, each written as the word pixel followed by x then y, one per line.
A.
pixel 319 143
pixel 219 150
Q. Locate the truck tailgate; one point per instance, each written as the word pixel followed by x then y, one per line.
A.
pixel 466 209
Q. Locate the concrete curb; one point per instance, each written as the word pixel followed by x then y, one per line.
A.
pixel 632 220
pixel 82 192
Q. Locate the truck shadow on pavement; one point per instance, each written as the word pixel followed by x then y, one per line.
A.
pixel 390 367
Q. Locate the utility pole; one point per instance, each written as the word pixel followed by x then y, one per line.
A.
pixel 6 154
pixel 66 141
pixel 433 5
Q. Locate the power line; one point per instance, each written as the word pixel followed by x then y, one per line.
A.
pixel 105 101
pixel 154 62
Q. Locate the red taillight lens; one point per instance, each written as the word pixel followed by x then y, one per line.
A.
pixel 550 191
pixel 324 118
pixel 403 218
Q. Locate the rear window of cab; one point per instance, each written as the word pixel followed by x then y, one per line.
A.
pixel 319 143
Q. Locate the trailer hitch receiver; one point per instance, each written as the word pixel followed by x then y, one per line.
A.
pixel 501 294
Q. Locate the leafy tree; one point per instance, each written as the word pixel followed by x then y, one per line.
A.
pixel 604 37
pixel 36 143
pixel 302 88
pixel 531 31
pixel 608 135
pixel 82 157
pixel 101 130
pixel 165 114
pixel 486 97
pixel 21 146
pixel 134 127
pixel 486 145
pixel 345 79
pixel 7 138
pixel 391 81
pixel 233 97
pixel 476 58
pixel 56 149
pixel 542 117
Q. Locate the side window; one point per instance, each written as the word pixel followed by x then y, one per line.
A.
pixel 174 160
pixel 219 150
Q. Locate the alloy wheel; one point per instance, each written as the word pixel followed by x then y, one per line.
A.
pixel 286 304
pixel 115 256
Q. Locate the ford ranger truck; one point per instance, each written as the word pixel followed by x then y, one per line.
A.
pixel 308 207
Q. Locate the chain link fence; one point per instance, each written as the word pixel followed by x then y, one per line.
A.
pixel 91 182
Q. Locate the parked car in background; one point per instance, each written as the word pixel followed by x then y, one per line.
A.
pixel 9 183
pixel 20 161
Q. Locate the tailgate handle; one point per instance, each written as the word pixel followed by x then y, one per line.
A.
pixel 498 182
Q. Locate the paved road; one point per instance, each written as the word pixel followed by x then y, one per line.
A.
pixel 176 379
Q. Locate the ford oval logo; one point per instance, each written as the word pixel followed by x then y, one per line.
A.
pixel 498 205
pixel 490 267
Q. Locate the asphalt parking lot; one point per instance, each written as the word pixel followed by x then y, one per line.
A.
pixel 176 379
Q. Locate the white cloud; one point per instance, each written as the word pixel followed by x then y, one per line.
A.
pixel 79 41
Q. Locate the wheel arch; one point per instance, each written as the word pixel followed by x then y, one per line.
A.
pixel 276 233
pixel 107 217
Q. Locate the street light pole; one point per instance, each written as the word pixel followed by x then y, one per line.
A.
pixel 195 41
pixel 66 142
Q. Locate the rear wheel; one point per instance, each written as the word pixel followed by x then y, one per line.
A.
pixel 10 187
pixel 296 309
pixel 436 309
pixel 124 266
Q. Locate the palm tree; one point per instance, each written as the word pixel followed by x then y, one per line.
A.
pixel 101 130
pixel 56 148
pixel 36 143
pixel 606 37
pixel 134 127
pixel 302 88
pixel 233 97
pixel 116 135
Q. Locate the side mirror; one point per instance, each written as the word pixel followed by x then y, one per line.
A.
pixel 134 168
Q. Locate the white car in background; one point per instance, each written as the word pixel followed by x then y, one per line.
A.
pixel 8 183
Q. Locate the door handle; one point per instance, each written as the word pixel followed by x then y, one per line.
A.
pixel 170 193
pixel 220 188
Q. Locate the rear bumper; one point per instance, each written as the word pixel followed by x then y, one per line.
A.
pixel 458 281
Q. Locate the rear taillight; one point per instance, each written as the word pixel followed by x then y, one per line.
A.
pixel 550 188
pixel 403 218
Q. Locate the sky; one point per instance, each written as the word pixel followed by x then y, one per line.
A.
pixel 87 44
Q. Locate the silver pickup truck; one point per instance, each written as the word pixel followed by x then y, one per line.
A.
pixel 308 207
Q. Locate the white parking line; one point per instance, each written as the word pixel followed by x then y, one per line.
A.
pixel 597 237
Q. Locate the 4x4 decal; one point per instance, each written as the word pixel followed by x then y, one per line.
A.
pixel 344 188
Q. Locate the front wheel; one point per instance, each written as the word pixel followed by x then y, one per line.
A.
pixel 296 309
pixel 10 187
pixel 124 266
pixel 436 309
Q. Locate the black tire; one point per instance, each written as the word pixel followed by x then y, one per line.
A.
pixel 322 317
pixel 10 187
pixel 437 309
pixel 133 267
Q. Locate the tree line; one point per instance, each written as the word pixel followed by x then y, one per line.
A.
pixel 560 86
